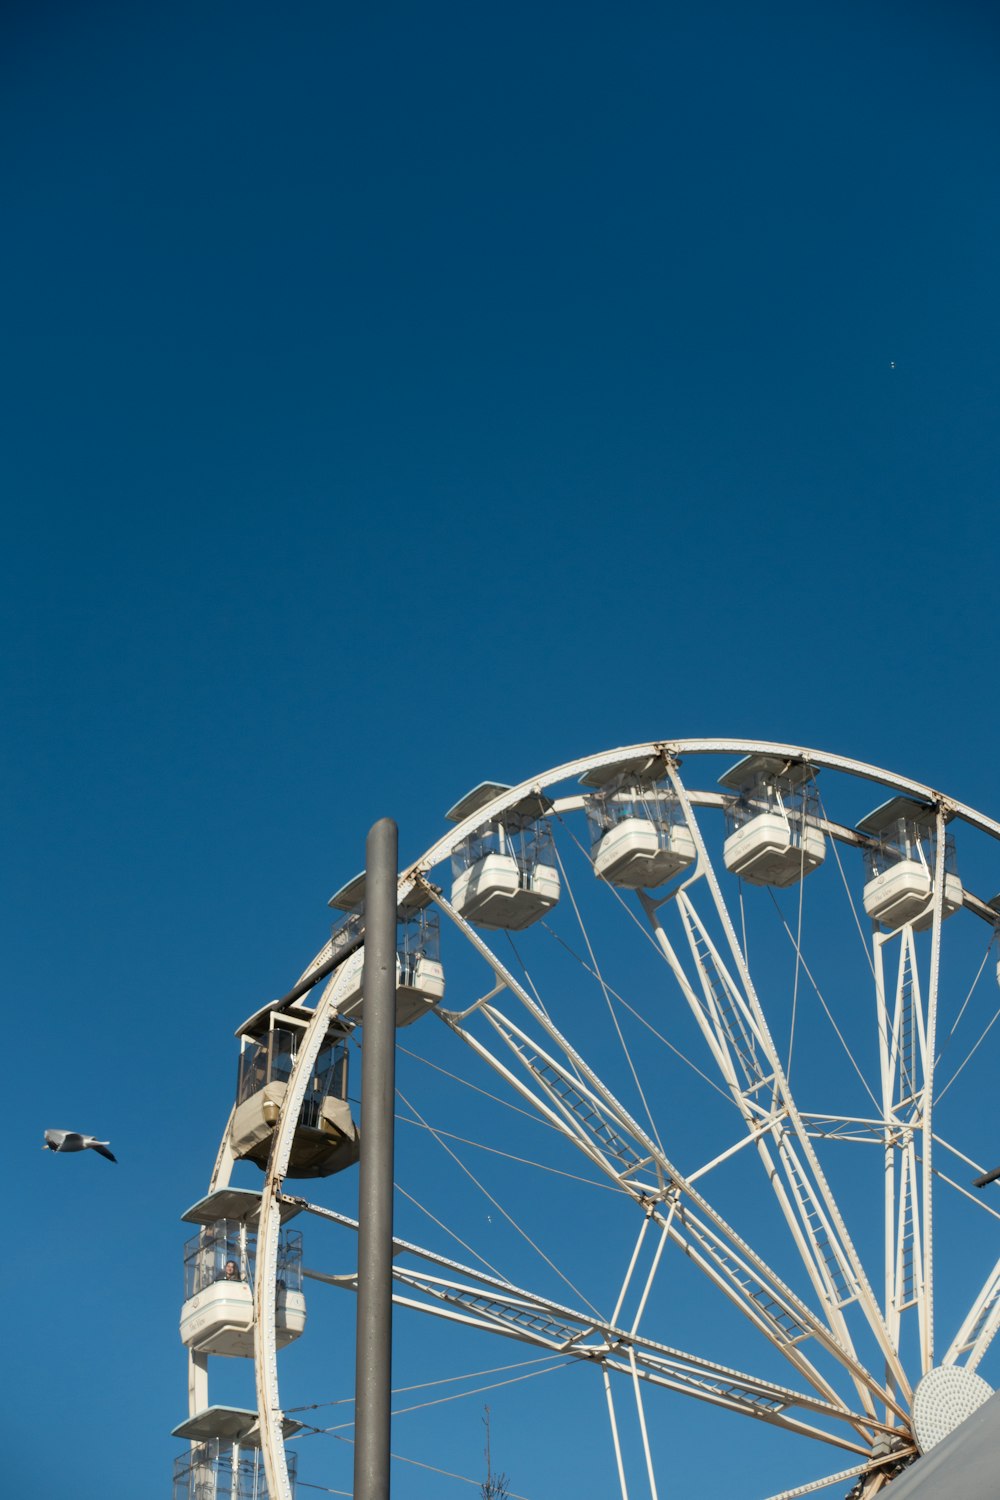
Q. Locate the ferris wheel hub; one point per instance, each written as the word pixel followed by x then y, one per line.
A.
pixel 943 1400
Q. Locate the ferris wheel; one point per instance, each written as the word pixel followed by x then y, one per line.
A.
pixel 704 1030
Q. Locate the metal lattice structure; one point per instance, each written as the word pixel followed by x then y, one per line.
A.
pixel 781 941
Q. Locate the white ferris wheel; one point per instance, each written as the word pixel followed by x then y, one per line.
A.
pixel 696 1055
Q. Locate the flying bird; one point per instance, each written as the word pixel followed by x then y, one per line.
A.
pixel 71 1140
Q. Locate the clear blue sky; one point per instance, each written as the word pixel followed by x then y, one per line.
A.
pixel 395 397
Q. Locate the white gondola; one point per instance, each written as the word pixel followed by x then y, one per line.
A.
pixel 217 1314
pixel 638 836
pixel 505 875
pixel 900 863
pixel 326 1138
pixel 773 835
pixel 224 1460
pixel 419 972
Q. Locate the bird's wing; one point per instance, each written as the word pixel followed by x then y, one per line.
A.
pixel 102 1150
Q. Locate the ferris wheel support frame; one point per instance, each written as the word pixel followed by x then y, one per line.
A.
pixel 987 1309
pixel 814 1198
pixel 704 1236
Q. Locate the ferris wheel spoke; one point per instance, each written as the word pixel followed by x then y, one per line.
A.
pixel 980 1325
pixel 738 1042
pixel 593 1120
pixel 907 1021
pixel 496 1306
pixel 730 1014
pixel 927 1120
pixel 641 1413
pixel 588 1129
pixel 903 1053
pixel 774 1309
pixel 876 1480
pixel 613 1115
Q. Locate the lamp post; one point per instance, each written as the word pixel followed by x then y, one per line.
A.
pixel 373 1372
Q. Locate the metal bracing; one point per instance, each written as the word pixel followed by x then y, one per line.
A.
pixel 630 1271
pixel 902 1046
pixel 779 1315
pixel 822 1236
pixel 665 1228
pixel 813 1486
pixel 906 1037
pixel 590 1121
pixel 979 1326
pixel 739 1049
pixel 609 1397
pixel 709 1242
pixel 486 1302
pixel 732 1007
pixel 197 1382
pixel 930 1058
pixel 853 1128
pixel 224 1161
pixel 876 1480
pixel 641 1412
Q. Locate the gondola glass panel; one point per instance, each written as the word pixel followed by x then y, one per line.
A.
pixel 221 1470
pixel 504 874
pixel 219 1263
pixel 900 862
pixel 326 1138
pixel 773 834
pixel 419 973
pixel 638 835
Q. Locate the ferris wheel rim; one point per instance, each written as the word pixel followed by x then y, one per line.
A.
pixel 676 750
pixel 673 751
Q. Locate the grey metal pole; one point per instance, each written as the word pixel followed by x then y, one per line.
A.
pixel 373 1374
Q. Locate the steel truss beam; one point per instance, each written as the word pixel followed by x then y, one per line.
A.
pixel 681 1213
pixel 493 1305
pixel 697 1228
pixel 732 1010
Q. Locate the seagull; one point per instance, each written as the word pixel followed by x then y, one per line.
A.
pixel 71 1140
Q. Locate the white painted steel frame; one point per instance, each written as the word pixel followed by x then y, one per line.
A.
pixel 733 1023
pixel 721 1248
pixel 486 1302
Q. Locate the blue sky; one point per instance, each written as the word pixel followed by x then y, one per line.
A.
pixel 394 398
